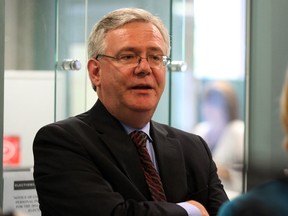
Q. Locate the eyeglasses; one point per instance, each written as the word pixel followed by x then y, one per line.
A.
pixel 155 61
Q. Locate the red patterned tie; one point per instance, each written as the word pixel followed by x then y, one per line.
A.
pixel 152 177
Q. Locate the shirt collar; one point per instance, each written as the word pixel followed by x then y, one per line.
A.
pixel 145 129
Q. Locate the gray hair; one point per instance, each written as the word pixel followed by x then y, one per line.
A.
pixel 118 18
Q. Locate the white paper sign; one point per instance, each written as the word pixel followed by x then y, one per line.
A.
pixel 19 193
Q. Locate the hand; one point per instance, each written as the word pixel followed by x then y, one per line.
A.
pixel 199 206
pixel 223 172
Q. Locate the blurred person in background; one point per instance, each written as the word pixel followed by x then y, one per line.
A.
pixel 269 198
pixel 223 131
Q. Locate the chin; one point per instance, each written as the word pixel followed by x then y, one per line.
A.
pixel 143 103
pixel 144 107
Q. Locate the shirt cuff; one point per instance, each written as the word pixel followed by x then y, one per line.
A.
pixel 190 209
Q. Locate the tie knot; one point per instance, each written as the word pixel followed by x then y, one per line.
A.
pixel 139 138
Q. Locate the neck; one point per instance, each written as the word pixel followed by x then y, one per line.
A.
pixel 135 120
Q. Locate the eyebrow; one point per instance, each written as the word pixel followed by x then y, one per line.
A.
pixel 136 50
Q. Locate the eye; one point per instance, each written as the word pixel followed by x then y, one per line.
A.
pixel 155 58
pixel 127 57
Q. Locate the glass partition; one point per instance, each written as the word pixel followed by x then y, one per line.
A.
pixel 29 84
pixel 268 61
pixel 2 39
pixel 28 77
pixel 208 98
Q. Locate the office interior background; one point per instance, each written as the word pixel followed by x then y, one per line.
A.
pixel 43 75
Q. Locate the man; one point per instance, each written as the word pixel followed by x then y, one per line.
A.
pixel 89 165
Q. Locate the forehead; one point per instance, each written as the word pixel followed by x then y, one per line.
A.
pixel 136 35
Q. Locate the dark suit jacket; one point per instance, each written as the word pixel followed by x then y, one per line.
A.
pixel 87 165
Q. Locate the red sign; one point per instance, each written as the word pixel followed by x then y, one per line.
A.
pixel 11 151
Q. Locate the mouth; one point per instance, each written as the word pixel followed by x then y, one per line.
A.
pixel 141 87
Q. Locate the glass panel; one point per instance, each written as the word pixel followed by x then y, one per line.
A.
pixel 29 76
pixel 2 39
pixel 28 94
pixel 70 51
pixel 268 65
pixel 212 43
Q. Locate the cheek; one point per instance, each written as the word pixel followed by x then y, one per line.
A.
pixel 105 76
pixel 161 79
pixel 112 82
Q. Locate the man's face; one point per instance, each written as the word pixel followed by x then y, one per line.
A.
pixel 126 88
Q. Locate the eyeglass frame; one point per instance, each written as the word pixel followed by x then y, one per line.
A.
pixel 165 59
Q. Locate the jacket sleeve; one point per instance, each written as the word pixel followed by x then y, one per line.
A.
pixel 203 183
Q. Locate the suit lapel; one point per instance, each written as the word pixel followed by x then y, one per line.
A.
pixel 126 155
pixel 170 163
pixel 120 146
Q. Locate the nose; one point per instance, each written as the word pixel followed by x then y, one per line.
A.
pixel 143 68
pixel 140 59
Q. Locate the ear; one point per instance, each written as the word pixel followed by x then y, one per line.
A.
pixel 94 71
